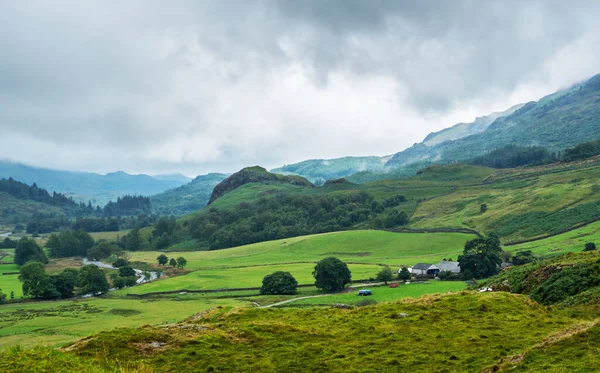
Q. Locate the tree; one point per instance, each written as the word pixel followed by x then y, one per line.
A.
pixel 483 208
pixel 92 280
pixel 404 274
pixel 102 249
pixel 173 262
pixel 121 262
pixel 162 259
pixel 481 257
pixel 331 275
pixel 84 240
pixel 279 283
pixel 65 282
pixel 181 262
pixel 590 246
pixel 28 249
pixel 126 271
pixel 36 282
pixel 523 257
pixel 119 282
pixel 2 297
pixel 133 240
pixel 385 275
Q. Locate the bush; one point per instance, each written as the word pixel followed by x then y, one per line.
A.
pixel 331 275
pixel 523 257
pixel 279 283
pixel 590 246
pixel 449 276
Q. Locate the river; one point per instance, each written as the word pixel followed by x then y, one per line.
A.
pixel 141 279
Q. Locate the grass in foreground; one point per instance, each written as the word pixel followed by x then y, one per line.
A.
pixel 59 322
pixel 385 293
pixel 462 332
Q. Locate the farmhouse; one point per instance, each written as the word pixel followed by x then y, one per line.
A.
pixel 449 266
pixel 425 269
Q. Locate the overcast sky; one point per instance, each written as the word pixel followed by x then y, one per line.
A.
pixel 200 86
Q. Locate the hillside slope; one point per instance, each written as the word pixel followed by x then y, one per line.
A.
pixel 186 198
pixel 574 111
pixel 85 186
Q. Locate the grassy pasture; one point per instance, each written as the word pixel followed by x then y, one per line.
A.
pixel 511 194
pixel 572 241
pixel 462 332
pixel 365 246
pixel 240 278
pixel 386 294
pixel 59 322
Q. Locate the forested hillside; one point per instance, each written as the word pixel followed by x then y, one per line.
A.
pixel 85 186
pixel 187 198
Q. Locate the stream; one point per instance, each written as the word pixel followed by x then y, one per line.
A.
pixel 141 279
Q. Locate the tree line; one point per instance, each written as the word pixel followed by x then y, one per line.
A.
pixel 511 156
pixel 286 216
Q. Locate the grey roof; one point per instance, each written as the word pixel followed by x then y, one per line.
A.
pixel 422 266
pixel 448 266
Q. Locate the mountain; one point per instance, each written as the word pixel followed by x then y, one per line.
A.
pixel 254 174
pixel 85 186
pixel 563 119
pixel 461 130
pixel 186 198
pixel 173 177
pixel 320 170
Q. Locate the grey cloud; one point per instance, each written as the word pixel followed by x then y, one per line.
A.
pixel 215 85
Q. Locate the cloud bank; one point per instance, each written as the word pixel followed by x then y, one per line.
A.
pixel 193 87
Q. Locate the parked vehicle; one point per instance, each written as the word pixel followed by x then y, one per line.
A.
pixel 365 292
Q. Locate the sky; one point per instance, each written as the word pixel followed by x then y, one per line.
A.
pixel 212 86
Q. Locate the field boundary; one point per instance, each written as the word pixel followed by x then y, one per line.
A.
pixel 567 230
pixel 432 230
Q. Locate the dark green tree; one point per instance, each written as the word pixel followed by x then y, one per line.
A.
pixel 92 280
pixel 590 246
pixel 279 283
pixel 126 271
pixel 133 240
pixel 119 282
pixel 481 257
pixel 121 262
pixel 36 282
pixel 385 275
pixel 181 262
pixel 404 274
pixel 102 249
pixel 173 262
pixel 28 249
pixel 162 259
pixel 483 208
pixel 65 282
pixel 331 275
pixel 523 257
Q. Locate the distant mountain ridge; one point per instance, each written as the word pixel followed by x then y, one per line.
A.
pixel 188 197
pixel 85 186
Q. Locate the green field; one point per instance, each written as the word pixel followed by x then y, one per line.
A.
pixel 521 203
pixel 58 322
pixel 466 332
pixel 385 293
pixel 574 240
pixel 240 278
pixel 367 246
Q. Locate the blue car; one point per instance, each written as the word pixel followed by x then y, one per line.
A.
pixel 365 292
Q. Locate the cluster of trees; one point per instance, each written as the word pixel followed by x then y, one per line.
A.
pixel 69 243
pixel 331 275
pixel 128 206
pixel 180 262
pixel 46 223
pixel 7 243
pixel 481 257
pixel 289 216
pixel 511 156
pixel 39 285
pixel 29 250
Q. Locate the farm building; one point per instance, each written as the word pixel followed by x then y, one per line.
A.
pixel 449 266
pixel 425 269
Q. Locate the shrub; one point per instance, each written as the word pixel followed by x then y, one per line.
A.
pixel 590 246
pixel 449 276
pixel 279 283
pixel 331 275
